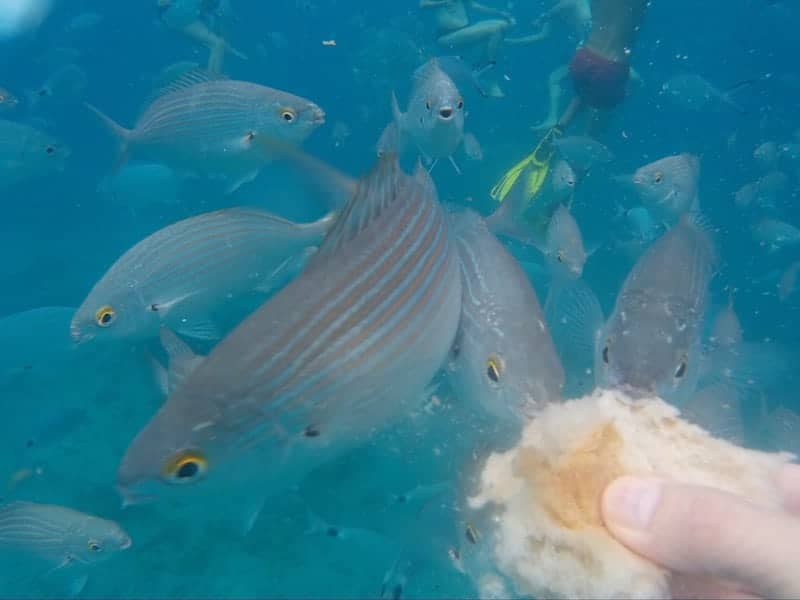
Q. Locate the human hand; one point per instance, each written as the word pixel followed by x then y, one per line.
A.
pixel 717 544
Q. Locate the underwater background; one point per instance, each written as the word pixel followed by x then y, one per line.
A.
pixel 69 412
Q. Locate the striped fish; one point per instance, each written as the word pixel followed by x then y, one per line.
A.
pixel 207 125
pixel 342 350
pixel 58 534
pixel 503 359
pixel 180 274
pixel 27 153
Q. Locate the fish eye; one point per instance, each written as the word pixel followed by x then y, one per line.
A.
pixel 105 316
pixel 658 177
pixel 428 104
pixel 560 256
pixel 605 353
pixel 681 370
pixel 494 368
pixel 50 149
pixel 460 104
pixel 186 466
pixel 288 115
pixel 94 546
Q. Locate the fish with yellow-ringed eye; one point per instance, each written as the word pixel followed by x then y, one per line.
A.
pixel 344 349
pixel 506 362
pixel 204 123
pixel 178 275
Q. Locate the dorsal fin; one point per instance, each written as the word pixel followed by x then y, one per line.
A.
pixel 184 80
pixel 374 193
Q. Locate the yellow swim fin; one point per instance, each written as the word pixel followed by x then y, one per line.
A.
pixel 536 166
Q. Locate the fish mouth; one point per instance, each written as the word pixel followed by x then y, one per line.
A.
pixel 317 115
pixel 446 113
pixel 76 334
pixel 127 543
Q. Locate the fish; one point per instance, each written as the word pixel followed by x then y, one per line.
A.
pixel 503 359
pixel 472 147
pixel 363 538
pixel 434 119
pixel 643 226
pixel 206 124
pixel 717 409
pixel 8 101
pixel 667 187
pixel 766 155
pixel 344 349
pixel 782 430
pixel 771 187
pixel 727 329
pixel 563 181
pixel 775 234
pixel 462 73
pixel 651 342
pixel 787 284
pixel 582 153
pixel 178 275
pixel 574 317
pixel 59 535
pixel 746 195
pixel 27 153
pixel 564 247
pixel 694 92
pixel 65 85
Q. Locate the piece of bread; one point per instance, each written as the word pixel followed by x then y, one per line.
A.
pixel 550 537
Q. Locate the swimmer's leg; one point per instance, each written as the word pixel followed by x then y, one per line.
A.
pixel 218 46
pixel 554 89
pixel 543 33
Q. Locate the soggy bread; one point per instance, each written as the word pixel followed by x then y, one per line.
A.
pixel 550 537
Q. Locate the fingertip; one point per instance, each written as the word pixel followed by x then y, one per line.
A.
pixel 629 503
pixel 788 480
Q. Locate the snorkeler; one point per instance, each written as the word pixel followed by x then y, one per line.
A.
pixel 190 16
pixel 600 70
pixel 482 39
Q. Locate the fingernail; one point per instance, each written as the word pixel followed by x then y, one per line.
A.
pixel 630 502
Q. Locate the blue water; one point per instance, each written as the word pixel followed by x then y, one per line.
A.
pixel 70 414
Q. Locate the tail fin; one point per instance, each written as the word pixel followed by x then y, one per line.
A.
pixel 122 134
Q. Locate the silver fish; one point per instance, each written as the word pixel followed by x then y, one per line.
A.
pixel 766 155
pixel 27 153
pixel 667 187
pixel 775 234
pixel 503 358
pixel 727 329
pixel 575 318
pixel 650 344
pixel 58 534
pixel 179 274
pixel 564 244
pixel 693 92
pixel 582 152
pixel 205 125
pixel 434 120
pixel 717 409
pixel 342 350
pixel 562 180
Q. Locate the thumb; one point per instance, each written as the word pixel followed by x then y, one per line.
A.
pixel 701 531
